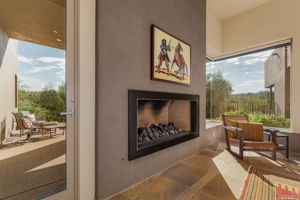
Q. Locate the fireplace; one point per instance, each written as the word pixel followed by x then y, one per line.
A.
pixel 158 120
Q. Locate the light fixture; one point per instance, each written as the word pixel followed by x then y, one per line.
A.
pixel 58 40
pixel 55 31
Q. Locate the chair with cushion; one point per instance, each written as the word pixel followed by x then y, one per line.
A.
pixel 39 124
pixel 250 136
pixel 24 125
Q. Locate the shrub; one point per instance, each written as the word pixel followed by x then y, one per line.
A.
pixel 271 121
pixel 45 104
pixel 235 112
pixel 266 120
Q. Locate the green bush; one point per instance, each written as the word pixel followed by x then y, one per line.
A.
pixel 45 105
pixel 235 112
pixel 269 121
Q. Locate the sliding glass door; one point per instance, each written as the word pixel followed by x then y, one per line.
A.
pixel 38 100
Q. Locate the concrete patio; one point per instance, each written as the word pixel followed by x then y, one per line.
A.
pixel 32 169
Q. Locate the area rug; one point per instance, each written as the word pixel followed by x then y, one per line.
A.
pixel 260 185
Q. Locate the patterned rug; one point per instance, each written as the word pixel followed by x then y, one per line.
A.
pixel 260 185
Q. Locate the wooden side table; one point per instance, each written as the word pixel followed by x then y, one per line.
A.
pixel 282 147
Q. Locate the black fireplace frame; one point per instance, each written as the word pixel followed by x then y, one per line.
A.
pixel 133 96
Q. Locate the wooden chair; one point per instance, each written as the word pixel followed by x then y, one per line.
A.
pixel 19 123
pixel 236 128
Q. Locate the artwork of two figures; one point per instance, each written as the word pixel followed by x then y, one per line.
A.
pixel 171 58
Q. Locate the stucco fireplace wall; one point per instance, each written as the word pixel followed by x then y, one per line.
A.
pixel 123 57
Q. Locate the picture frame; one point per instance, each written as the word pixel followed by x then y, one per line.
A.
pixel 170 58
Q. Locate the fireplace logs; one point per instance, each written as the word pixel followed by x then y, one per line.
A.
pixel 155 132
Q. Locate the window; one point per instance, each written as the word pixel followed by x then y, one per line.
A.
pixel 256 83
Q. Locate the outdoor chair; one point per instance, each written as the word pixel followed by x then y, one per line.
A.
pixel 39 124
pixel 250 136
pixel 29 129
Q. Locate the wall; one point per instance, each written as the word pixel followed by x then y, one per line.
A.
pixel 213 34
pixel 275 76
pixel 273 21
pixel 8 70
pixel 123 54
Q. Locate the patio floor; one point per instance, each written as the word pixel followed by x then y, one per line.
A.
pixel 212 174
pixel 34 169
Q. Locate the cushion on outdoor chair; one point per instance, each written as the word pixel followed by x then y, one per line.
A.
pixel 27 124
pixel 252 131
pixel 234 123
pixel 31 117
pixel 25 113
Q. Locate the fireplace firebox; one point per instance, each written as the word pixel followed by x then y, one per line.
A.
pixel 158 120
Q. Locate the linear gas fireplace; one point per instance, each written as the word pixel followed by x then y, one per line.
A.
pixel 158 120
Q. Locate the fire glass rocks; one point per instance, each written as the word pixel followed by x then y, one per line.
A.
pixel 156 132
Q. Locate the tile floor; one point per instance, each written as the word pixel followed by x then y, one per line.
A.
pixel 211 174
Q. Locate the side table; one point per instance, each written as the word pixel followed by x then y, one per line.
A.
pixel 281 148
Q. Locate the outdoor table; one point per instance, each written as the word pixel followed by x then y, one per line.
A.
pixel 41 124
pixel 52 128
pixel 281 147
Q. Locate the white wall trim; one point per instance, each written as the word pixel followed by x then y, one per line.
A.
pixel 86 37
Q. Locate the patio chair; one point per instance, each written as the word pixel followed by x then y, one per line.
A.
pixel 250 136
pixel 39 124
pixel 20 126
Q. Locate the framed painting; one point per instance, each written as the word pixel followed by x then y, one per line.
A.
pixel 170 58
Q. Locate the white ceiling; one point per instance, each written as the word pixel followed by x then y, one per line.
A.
pixel 226 9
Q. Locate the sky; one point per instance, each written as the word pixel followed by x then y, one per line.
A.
pixel 40 65
pixel 246 73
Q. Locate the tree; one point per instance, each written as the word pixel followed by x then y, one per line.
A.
pixel 53 101
pixel 217 90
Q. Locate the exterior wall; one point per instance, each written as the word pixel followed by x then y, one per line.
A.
pixel 275 76
pixel 214 131
pixel 271 22
pixel 123 62
pixel 294 139
pixel 8 70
